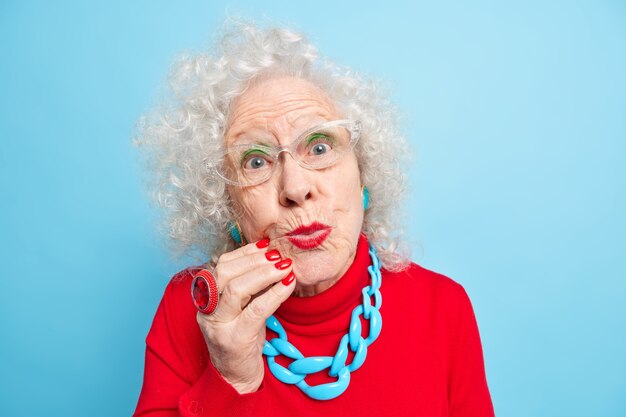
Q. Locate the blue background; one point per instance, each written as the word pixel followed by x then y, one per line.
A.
pixel 516 112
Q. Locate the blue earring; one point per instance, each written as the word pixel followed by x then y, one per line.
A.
pixel 366 197
pixel 235 232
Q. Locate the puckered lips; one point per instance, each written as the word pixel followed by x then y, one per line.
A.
pixel 309 236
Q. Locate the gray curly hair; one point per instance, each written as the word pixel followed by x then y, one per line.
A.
pixel 188 126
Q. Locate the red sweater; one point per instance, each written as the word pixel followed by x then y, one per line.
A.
pixel 427 360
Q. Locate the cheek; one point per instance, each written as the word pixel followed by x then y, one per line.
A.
pixel 347 199
pixel 352 192
pixel 254 211
pixel 347 187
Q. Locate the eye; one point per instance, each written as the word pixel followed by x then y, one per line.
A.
pixel 320 148
pixel 319 144
pixel 254 160
pixel 254 163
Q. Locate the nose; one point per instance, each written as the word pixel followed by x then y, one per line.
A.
pixel 295 187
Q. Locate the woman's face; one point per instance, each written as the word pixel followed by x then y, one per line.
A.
pixel 313 217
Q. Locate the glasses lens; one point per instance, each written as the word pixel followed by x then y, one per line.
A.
pixel 252 164
pixel 323 147
pixel 247 164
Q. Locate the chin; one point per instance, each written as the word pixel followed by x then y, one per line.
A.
pixel 316 267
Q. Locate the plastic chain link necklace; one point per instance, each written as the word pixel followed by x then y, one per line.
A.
pixel 301 366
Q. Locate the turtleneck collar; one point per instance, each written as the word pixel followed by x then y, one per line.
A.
pixel 327 311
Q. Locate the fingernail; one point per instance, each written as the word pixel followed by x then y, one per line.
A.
pixel 284 264
pixel 288 279
pixel 272 255
pixel 263 243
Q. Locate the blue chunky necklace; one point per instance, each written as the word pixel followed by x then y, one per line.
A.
pixel 301 367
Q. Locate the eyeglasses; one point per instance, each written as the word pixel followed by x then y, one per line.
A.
pixel 317 148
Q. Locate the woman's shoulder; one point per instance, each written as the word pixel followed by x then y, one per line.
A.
pixel 417 276
pixel 433 303
pixel 178 289
pixel 176 305
pixel 183 277
pixel 425 286
pixel 174 335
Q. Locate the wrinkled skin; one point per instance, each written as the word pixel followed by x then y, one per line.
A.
pixel 277 111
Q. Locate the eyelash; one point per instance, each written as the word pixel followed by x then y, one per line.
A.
pixel 252 154
pixel 320 138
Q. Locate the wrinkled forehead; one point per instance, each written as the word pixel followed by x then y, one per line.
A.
pixel 278 108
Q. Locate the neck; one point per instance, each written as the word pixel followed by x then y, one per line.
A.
pixel 326 304
pixel 311 290
pixel 303 290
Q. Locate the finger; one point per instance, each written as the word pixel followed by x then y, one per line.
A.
pixel 258 310
pixel 228 270
pixel 239 292
pixel 248 249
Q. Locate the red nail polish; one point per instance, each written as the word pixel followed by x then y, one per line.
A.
pixel 284 264
pixel 288 279
pixel 272 255
pixel 263 243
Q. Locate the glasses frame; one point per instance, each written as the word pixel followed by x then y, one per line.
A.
pixel 353 126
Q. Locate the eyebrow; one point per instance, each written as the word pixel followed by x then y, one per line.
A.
pixel 316 135
pixel 251 151
pixel 313 123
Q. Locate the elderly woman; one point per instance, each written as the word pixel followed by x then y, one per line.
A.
pixel 286 171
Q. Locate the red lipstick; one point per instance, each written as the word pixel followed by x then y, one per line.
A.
pixel 309 237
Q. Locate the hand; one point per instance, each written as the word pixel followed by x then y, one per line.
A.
pixel 253 287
